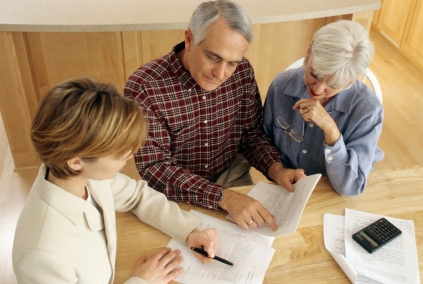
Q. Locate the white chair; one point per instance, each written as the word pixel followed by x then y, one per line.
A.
pixel 369 76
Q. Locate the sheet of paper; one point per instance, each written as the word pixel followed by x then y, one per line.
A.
pixel 250 252
pixel 232 229
pixel 286 206
pixel 395 263
pixel 333 234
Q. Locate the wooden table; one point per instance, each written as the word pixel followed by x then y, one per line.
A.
pixel 300 257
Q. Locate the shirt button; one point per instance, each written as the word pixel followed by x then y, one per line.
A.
pixel 330 158
pixel 211 207
pixel 206 166
pixel 204 97
pixel 207 144
pixel 328 151
pixel 189 90
pixel 311 124
pixel 205 121
pixel 304 151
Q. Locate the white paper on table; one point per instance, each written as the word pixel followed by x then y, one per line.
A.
pixel 250 254
pixel 286 206
pixel 394 263
pixel 232 229
pixel 333 234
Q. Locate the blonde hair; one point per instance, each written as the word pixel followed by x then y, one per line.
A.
pixel 85 119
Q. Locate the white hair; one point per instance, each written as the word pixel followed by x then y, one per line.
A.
pixel 208 12
pixel 341 52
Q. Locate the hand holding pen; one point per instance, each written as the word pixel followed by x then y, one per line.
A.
pixel 207 239
pixel 222 260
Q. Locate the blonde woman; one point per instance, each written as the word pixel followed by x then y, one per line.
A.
pixel 84 132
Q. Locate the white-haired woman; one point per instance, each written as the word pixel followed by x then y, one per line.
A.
pixel 321 117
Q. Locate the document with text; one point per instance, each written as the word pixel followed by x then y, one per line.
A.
pixel 286 206
pixel 395 263
pixel 250 252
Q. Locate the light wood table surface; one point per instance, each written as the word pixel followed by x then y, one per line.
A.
pixel 300 257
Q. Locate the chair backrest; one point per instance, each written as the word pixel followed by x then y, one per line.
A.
pixel 369 76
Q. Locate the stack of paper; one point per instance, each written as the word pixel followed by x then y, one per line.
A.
pixel 251 250
pixel 394 263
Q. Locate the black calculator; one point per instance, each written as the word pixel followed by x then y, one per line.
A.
pixel 376 235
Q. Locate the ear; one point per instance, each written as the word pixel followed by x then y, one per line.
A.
pixel 189 40
pixel 75 164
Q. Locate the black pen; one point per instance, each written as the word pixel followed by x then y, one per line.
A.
pixel 203 252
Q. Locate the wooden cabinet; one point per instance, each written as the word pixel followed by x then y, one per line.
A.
pixel 401 21
pixel 412 45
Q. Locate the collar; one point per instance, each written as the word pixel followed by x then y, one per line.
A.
pixel 70 206
pixel 296 87
pixel 176 66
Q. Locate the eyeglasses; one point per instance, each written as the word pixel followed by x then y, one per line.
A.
pixel 287 128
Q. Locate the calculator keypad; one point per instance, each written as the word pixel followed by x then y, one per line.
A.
pixel 382 231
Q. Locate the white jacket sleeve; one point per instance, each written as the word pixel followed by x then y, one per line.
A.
pixel 152 207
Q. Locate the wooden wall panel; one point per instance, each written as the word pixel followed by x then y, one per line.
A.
pixel 412 46
pixel 393 18
pixel 59 56
pixel 18 97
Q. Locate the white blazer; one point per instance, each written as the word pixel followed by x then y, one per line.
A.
pixel 61 238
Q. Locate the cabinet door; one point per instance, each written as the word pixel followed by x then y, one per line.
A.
pixel 413 39
pixel 393 18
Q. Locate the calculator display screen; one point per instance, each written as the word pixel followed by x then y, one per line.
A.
pixel 363 234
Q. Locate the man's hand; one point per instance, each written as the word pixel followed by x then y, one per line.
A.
pixel 285 177
pixel 247 212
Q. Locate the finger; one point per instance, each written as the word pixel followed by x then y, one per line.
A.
pixel 174 274
pixel 258 220
pixel 210 249
pixel 242 224
pixel 287 184
pixel 299 174
pixel 173 263
pixel 297 104
pixel 169 257
pixel 162 253
pixel 269 219
pixel 202 258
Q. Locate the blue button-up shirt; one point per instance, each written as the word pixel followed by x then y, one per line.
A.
pixel 358 114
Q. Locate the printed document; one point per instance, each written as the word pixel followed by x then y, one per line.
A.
pixel 250 252
pixel 286 206
pixel 394 263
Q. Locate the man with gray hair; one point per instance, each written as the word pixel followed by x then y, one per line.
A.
pixel 205 115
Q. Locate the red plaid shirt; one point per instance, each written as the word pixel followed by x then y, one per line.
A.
pixel 194 134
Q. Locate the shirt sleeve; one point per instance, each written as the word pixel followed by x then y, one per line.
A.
pixel 256 146
pixel 349 161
